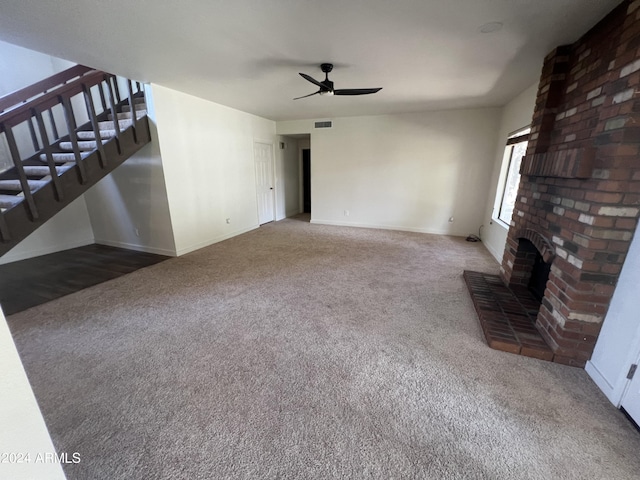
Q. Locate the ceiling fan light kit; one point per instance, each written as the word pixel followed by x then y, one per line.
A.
pixel 326 86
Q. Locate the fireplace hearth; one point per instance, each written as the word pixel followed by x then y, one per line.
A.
pixel 507 315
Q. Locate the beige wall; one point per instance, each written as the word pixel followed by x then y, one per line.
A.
pixel 208 161
pixel 407 172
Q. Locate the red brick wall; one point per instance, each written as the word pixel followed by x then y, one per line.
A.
pixel 580 186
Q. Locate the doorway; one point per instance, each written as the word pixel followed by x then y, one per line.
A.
pixel 306 180
pixel 263 155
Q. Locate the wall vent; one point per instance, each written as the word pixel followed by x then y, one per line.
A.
pixel 324 124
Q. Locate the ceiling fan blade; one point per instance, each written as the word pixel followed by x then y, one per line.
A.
pixel 312 80
pixel 310 95
pixel 356 91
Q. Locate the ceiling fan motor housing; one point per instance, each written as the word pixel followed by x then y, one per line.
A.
pixel 326 67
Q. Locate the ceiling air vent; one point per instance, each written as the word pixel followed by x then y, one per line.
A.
pixel 325 124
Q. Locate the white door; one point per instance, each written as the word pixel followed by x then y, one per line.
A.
pixel 264 182
pixel 631 400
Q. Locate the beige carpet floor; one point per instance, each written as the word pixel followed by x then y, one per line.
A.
pixel 299 351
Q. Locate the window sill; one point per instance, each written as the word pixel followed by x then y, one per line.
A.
pixel 500 223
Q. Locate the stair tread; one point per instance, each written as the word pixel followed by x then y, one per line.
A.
pixel 82 145
pixel 110 125
pixel 15 181
pixel 8 201
pixel 91 135
pixel 15 186
pixel 43 171
pixel 64 157
pixel 139 106
pixel 126 115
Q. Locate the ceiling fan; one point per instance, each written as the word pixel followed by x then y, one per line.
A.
pixel 326 86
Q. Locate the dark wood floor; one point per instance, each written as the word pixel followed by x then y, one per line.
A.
pixel 27 283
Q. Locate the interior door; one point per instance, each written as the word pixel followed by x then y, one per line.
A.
pixel 631 400
pixel 263 154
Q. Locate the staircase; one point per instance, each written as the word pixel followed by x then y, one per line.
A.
pixel 61 136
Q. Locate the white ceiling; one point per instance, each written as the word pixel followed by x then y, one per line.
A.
pixel 246 54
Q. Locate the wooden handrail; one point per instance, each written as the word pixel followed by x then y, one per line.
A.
pixel 23 112
pixel 24 94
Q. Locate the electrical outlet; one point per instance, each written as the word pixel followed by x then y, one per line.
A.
pixel 137 232
pixel 346 213
pixel 228 220
pixel 450 219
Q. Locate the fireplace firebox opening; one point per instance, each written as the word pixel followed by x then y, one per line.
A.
pixel 539 277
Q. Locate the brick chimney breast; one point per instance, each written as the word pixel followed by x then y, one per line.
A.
pixel 579 195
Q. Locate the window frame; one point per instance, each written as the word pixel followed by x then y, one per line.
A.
pixel 516 137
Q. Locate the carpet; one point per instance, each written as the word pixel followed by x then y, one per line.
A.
pixel 307 351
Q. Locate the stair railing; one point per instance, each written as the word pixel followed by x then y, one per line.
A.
pixel 35 119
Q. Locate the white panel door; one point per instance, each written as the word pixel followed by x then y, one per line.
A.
pixel 263 154
pixel 631 400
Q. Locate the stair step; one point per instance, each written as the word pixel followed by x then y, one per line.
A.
pixel 83 146
pixel 124 124
pixel 64 157
pixel 14 185
pixel 38 171
pixel 139 106
pixel 8 201
pixel 91 135
pixel 126 115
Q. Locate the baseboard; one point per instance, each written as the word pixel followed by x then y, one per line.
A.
pixel 206 243
pixel 495 255
pixel 397 228
pixel 10 258
pixel 137 248
pixel 602 383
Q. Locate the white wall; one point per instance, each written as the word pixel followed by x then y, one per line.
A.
pixel 207 156
pixel 23 429
pixel 129 207
pixel 618 344
pixel 71 228
pixel 287 177
pixel 515 115
pixel 406 172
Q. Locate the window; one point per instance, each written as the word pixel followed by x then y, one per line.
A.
pixel 514 151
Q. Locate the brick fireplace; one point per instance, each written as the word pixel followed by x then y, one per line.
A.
pixel 579 196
